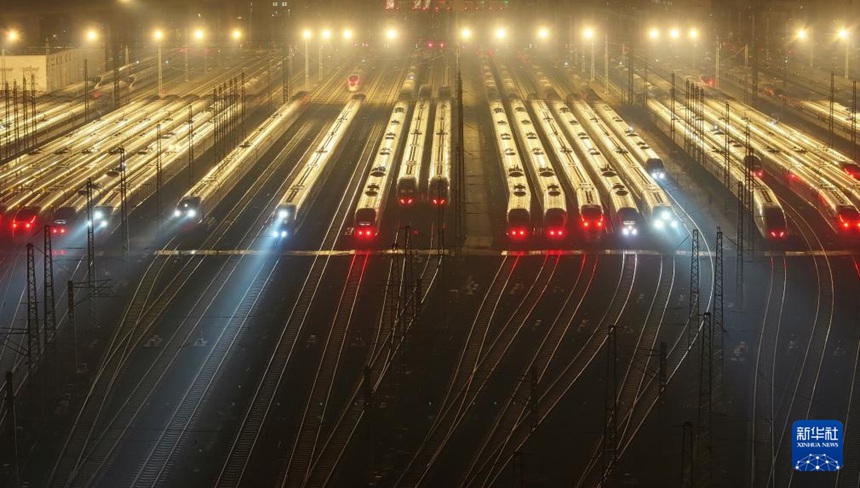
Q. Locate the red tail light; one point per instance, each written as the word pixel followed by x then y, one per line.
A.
pixel 600 223
pixel 759 173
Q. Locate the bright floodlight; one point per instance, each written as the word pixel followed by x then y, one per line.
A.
pixel 466 33
pixel 543 33
pixel 801 34
pixel 501 33
pixel 347 33
pixel 198 34
pixel 92 35
pixel 588 33
pixel 307 34
pixel 326 34
pixel 158 35
pixel 674 33
pixel 12 36
pixel 654 33
pixel 694 33
pixel 391 33
pixel 237 34
pixel 843 33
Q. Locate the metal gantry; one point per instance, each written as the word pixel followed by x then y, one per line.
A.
pixel 50 326
pixel 32 311
pixel 704 419
pixel 609 445
pixel 694 286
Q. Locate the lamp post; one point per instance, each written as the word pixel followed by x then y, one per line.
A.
pixel 845 35
pixel 91 37
pixel 501 34
pixel 326 35
pixel 198 37
pixel 693 35
pixel 307 36
pixel 589 35
pixel 158 35
pixel 653 35
pixel 802 35
pixel 10 38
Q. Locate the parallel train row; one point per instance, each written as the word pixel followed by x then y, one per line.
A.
pixel 654 204
pixel 768 214
pixel 588 201
pixel 291 209
pixel 550 195
pixel 816 183
pixel 371 202
pixel 196 204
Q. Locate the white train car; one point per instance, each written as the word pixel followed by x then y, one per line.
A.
pixel 210 190
pixel 768 214
pixel 439 186
pixel 371 202
pixel 654 204
pixel 814 181
pixel 551 195
pixel 633 141
pixel 413 156
pixel 518 216
pixel 624 212
pixel 292 206
pixel 587 197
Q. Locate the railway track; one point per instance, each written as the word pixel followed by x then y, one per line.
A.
pixel 762 454
pixel 140 317
pixel 245 440
pixel 802 394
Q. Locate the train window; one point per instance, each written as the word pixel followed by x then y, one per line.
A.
pixel 526 122
pixel 506 137
pixel 498 110
pixel 537 151
pixel 398 110
pixel 389 136
pixel 531 135
pixel 502 122
pixel 591 212
pixel 385 151
pixel 510 152
pixel 628 214
pixel 520 109
pixel 774 219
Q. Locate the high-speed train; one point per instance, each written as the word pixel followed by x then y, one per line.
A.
pixel 551 196
pixel 633 141
pixel 208 192
pixel 654 204
pixel 438 188
pixel 371 201
pixel 813 181
pixel 413 156
pixel 768 213
pixel 138 166
pixel 518 216
pixel 353 82
pixel 587 197
pixel 622 205
pixel 302 190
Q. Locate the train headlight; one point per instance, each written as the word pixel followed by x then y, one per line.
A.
pixel 191 212
pixel 177 213
pixel 283 233
pixel 626 231
pixel 674 224
pixel 283 213
pixel 658 224
pixel 98 215
pixel 275 233
pixel 103 224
